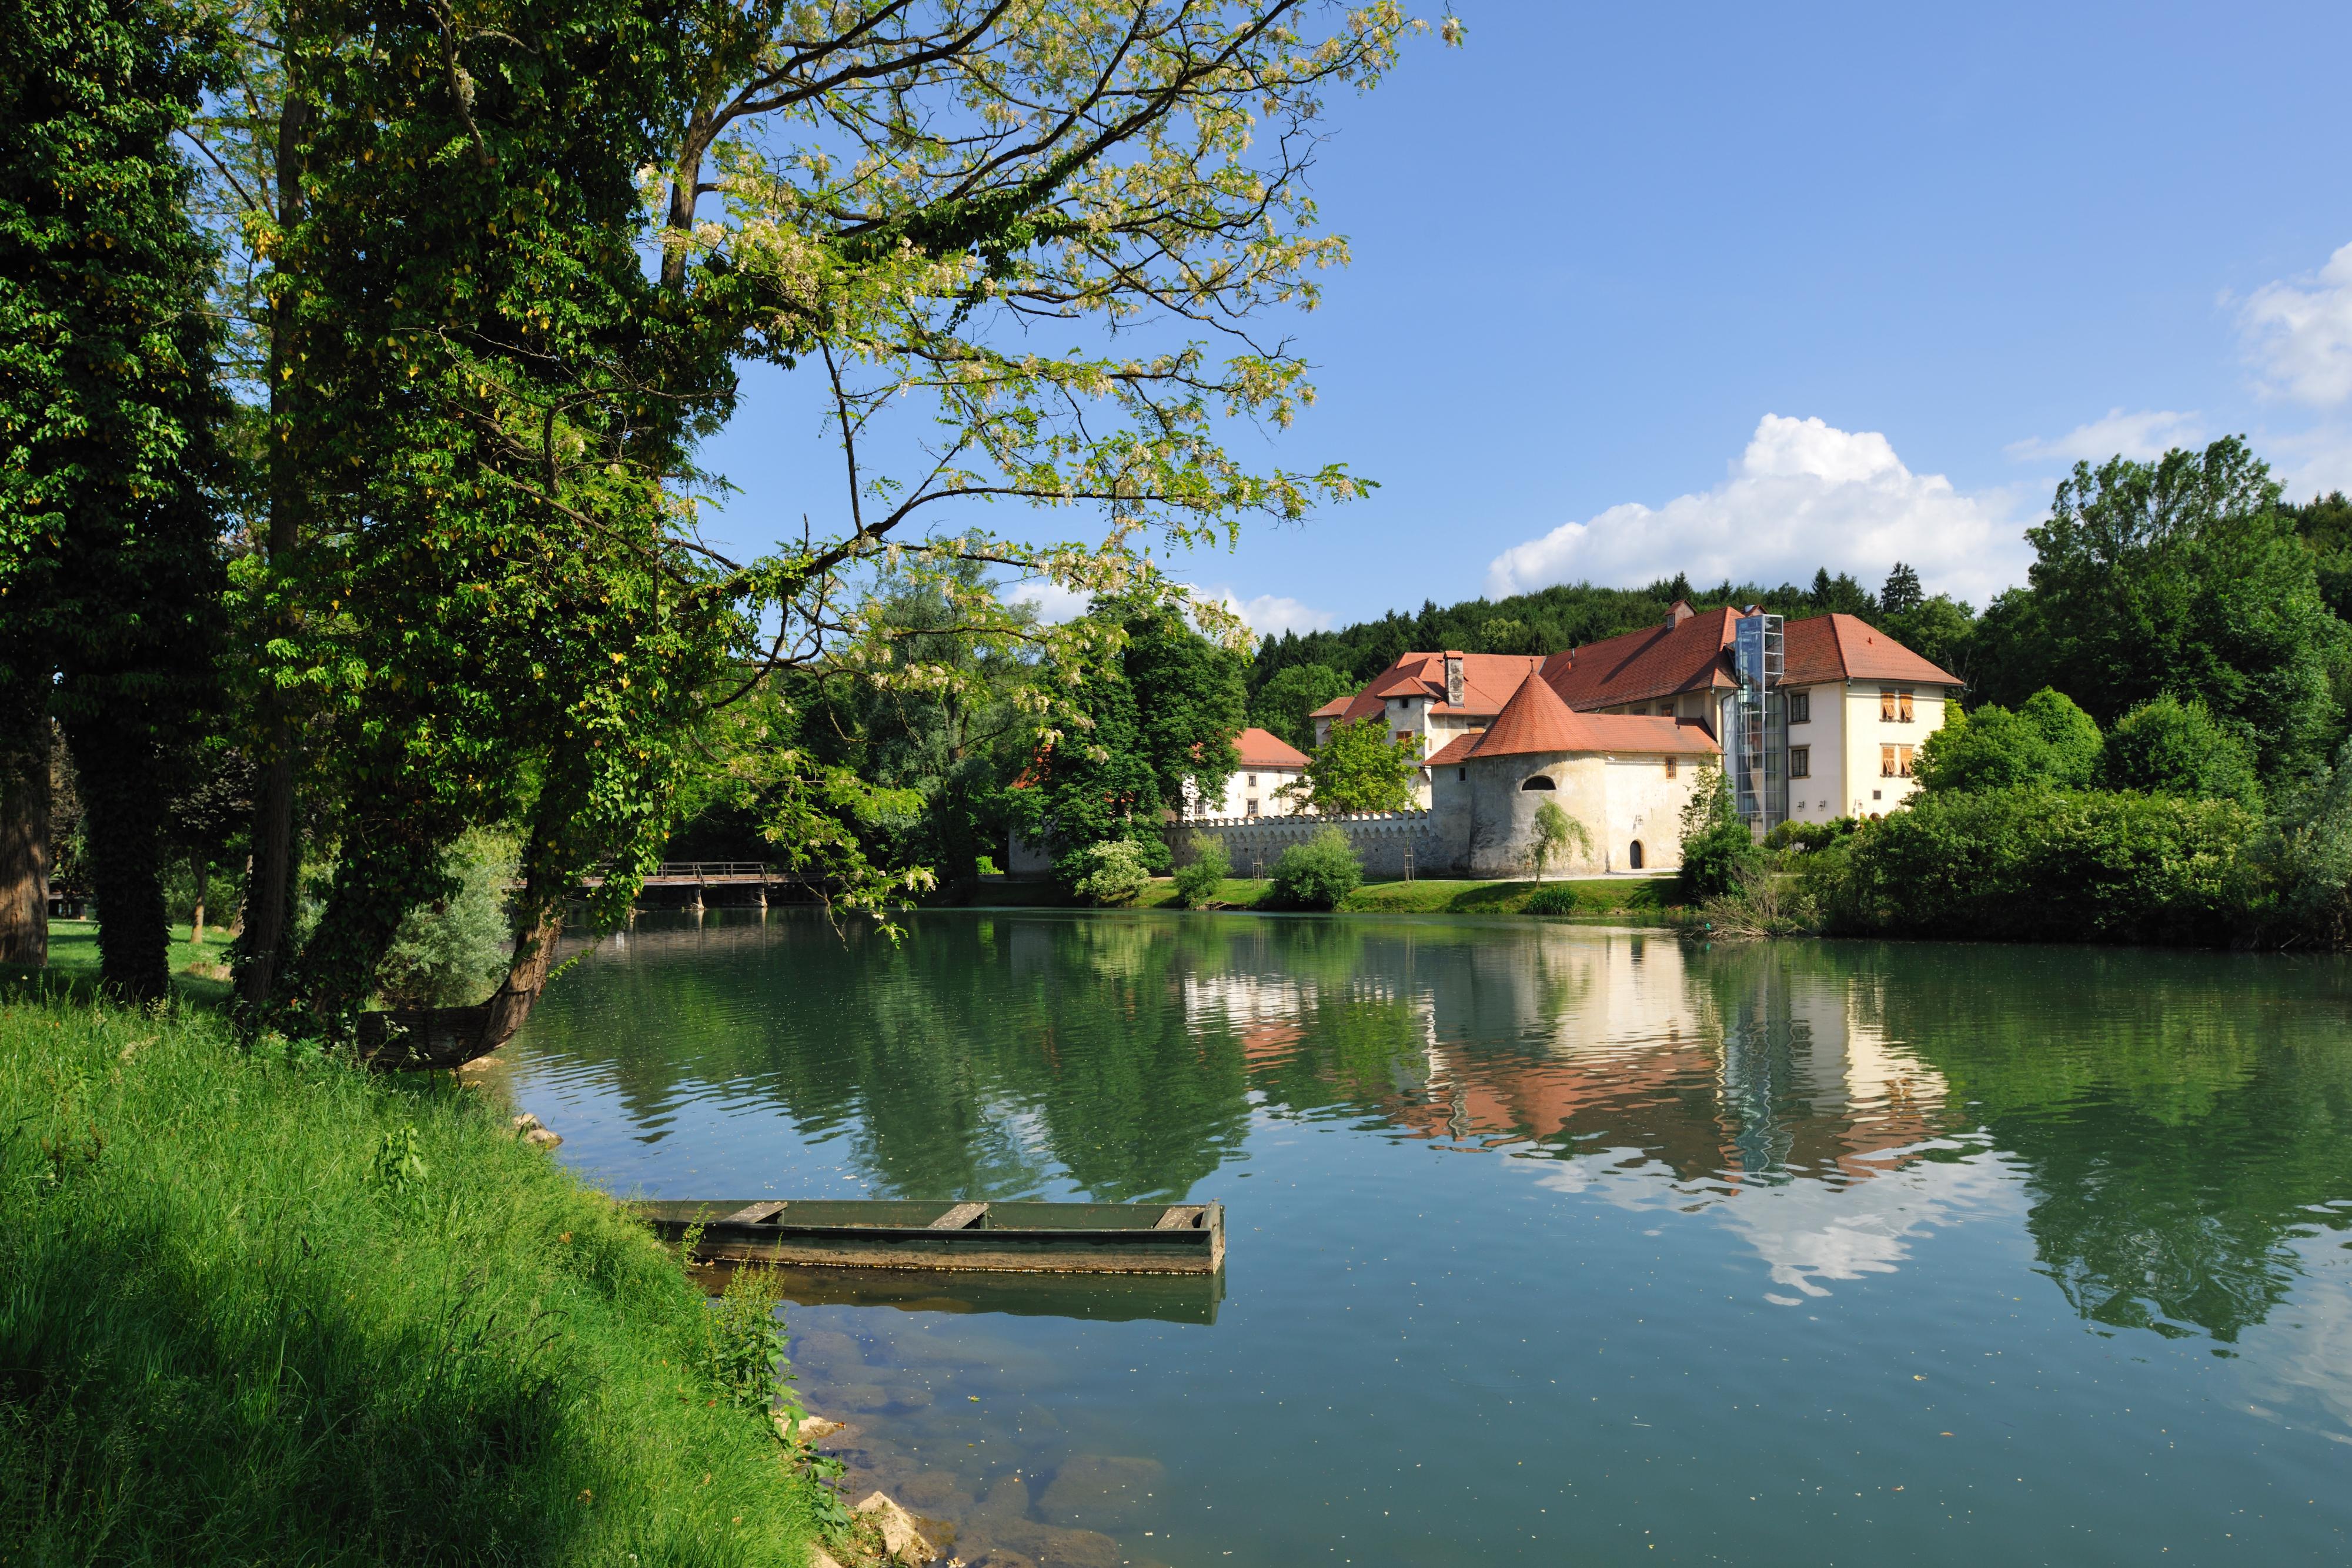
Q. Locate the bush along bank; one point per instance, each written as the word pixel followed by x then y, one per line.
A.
pixel 2014 839
pixel 262 1307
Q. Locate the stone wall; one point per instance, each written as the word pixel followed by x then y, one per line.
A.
pixel 1379 837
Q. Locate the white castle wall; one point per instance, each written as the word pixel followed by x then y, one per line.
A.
pixel 1380 838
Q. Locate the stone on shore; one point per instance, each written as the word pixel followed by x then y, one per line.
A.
pixel 900 1537
pixel 810 1428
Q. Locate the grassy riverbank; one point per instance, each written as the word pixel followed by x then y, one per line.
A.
pixel 1632 898
pixel 240 1325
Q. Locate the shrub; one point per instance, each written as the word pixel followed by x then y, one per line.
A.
pixel 2031 863
pixel 2303 864
pixel 1810 836
pixel 2166 747
pixel 1197 882
pixel 451 953
pixel 1553 898
pixel 1317 874
pixel 1718 848
pixel 1116 872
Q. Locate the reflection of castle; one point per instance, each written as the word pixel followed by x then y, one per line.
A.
pixel 1743 1081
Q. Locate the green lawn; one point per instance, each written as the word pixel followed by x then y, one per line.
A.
pixel 195 969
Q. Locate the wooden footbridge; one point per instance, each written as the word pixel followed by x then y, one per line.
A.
pixel 691 885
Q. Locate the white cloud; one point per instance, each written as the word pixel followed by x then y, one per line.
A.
pixel 2299 332
pixel 1054 603
pixel 1271 614
pixel 1267 613
pixel 1804 495
pixel 2149 434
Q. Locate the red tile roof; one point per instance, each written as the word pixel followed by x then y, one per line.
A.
pixel 1846 648
pixel 1536 720
pixel 1638 666
pixel 1487 682
pixel 1260 748
pixel 1694 654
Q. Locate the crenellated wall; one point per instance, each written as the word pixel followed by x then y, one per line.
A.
pixel 1379 837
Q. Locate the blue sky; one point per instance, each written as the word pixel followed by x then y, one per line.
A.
pixel 1746 289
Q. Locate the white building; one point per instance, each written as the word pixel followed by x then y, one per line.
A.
pixel 1268 763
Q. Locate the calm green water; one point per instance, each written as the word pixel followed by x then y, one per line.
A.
pixel 1547 1244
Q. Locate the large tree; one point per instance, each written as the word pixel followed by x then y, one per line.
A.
pixel 1283 705
pixel 109 570
pixel 1160 707
pixel 479 594
pixel 2178 576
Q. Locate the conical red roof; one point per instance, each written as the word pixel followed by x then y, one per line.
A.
pixel 1535 719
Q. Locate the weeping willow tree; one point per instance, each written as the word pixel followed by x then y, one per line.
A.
pixel 499 263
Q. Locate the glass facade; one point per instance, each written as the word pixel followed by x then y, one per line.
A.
pixel 1756 727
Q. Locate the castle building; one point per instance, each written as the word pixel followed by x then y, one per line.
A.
pixel 1814 719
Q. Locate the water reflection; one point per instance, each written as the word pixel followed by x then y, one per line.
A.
pixel 2176 1129
pixel 1489 1173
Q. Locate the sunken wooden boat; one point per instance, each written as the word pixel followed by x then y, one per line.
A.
pixel 996 1237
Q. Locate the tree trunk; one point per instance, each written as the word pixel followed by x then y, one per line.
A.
pixel 24 844
pixel 115 759
pixel 267 888
pixel 203 881
pixel 423 1039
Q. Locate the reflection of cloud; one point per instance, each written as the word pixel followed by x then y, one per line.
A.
pixel 1810 1230
pixel 1814 1228
pixel 2303 1356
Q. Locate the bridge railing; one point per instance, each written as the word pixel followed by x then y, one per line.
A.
pixel 699 869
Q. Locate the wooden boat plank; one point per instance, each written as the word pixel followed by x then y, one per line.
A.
pixel 1139 1238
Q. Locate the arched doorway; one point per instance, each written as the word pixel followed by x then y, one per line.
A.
pixel 1633 855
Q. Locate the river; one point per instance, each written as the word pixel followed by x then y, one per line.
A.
pixel 1547 1243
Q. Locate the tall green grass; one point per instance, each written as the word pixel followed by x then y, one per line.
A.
pixel 267 1308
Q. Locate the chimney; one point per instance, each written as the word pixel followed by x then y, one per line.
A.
pixel 1681 612
pixel 1453 679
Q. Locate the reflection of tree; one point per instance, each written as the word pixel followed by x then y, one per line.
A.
pixel 2181 1115
pixel 2178 1116
pixel 958 1064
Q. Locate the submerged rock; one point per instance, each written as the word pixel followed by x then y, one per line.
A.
pixel 1101 1488
pixel 826 1347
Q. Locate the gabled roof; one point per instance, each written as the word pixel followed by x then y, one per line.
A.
pixel 1695 654
pixel 1487 682
pixel 1656 661
pixel 1537 721
pixel 1846 648
pixel 1260 749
